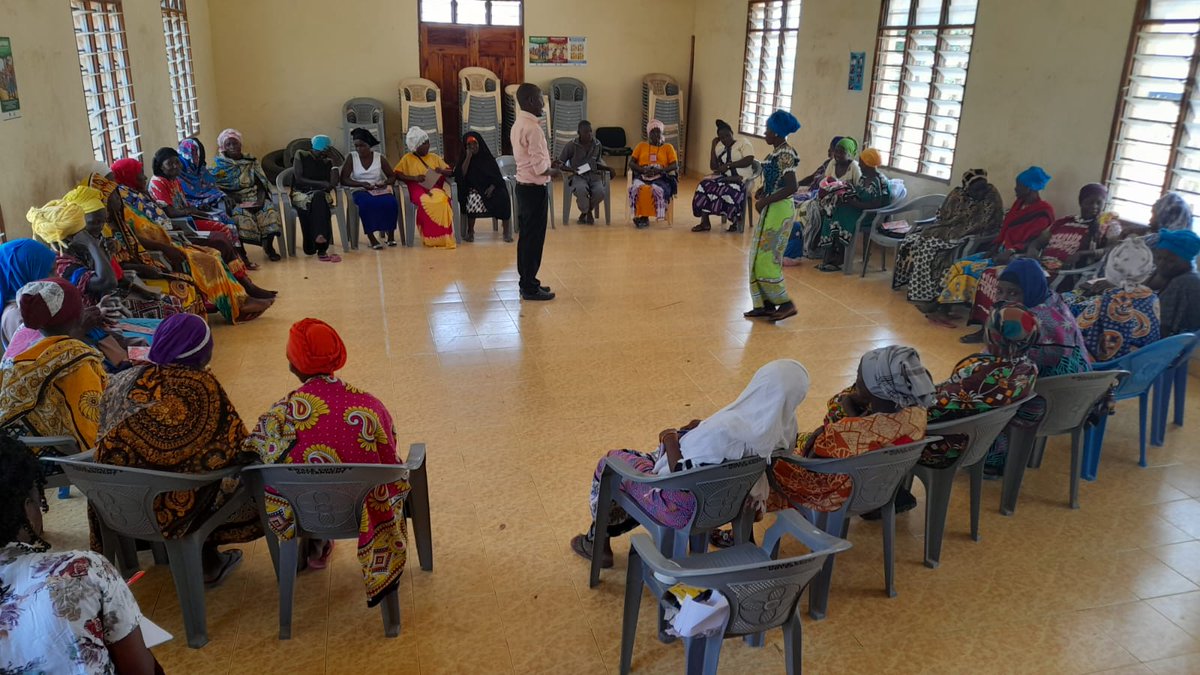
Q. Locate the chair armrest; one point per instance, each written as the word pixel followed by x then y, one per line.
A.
pixel 677 480
pixel 791 522
pixel 49 441
pixel 626 472
pixel 416 456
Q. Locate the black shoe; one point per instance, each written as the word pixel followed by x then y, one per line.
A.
pixel 544 289
pixel 540 295
pixel 905 501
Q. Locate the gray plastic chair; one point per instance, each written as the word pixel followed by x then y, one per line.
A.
pixel 409 230
pixel 327 501
pixel 980 431
pixel 63 446
pixel 366 113
pixel 921 208
pixel 284 183
pixel 721 492
pixel 353 229
pixel 568 197
pixel 123 498
pixel 508 169
pixel 1069 401
pixel 875 477
pixel 763 592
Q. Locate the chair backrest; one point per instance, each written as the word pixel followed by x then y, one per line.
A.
pixel 290 152
pixel 508 166
pixel 283 182
pixel 326 499
pixel 612 137
pixel 1070 399
pixel 874 475
pixel 366 113
pixel 720 490
pixel 1146 364
pixel 915 209
pixel 421 106
pixel 980 429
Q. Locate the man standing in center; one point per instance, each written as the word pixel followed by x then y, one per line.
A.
pixel 533 178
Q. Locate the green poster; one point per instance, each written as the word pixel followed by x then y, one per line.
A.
pixel 10 103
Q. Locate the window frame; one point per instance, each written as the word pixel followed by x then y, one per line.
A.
pixel 112 59
pixel 778 95
pixel 909 27
pixel 454 15
pixel 184 100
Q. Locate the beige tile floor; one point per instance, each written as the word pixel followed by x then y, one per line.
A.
pixel 517 401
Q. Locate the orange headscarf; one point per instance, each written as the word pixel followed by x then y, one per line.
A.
pixel 315 348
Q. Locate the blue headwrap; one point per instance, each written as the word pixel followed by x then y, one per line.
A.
pixel 1183 243
pixel 320 142
pixel 23 261
pixel 1029 275
pixel 783 123
pixel 1034 178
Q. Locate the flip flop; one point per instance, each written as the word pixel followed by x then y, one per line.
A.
pixel 230 560
pixel 942 321
pixel 376 247
pixel 333 258
pixel 583 548
pixel 252 266
pixel 322 561
pixel 391 244
pixel 829 267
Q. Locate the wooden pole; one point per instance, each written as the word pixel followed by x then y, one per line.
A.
pixel 687 102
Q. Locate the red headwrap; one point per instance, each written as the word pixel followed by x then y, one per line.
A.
pixel 127 171
pixel 314 348
pixel 49 303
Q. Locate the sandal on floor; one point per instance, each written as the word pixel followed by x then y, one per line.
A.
pixel 391 244
pixel 274 257
pixel 322 561
pixel 332 257
pixel 230 560
pixel 583 548
pixel 701 228
pixel 252 265
pixel 376 247
pixel 829 267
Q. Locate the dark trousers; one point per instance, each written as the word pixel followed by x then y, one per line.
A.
pixel 531 218
pixel 316 221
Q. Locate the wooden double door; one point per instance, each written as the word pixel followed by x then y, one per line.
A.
pixel 447 48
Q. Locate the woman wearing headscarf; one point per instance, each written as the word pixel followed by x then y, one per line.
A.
pixel 172 414
pixel 482 192
pixel 241 177
pixel 759 423
pixel 21 261
pixel 654 184
pixel 885 406
pixel 776 211
pixel 794 252
pixel 328 421
pixel 723 194
pixel 1171 212
pixel 1176 281
pixel 53 387
pixel 1029 216
pixel 838 228
pixel 974 208
pixel 841 175
pixel 369 175
pixel 1061 349
pixel 198 183
pixel 167 190
pixel 424 174
pixel 1119 313
pixel 313 181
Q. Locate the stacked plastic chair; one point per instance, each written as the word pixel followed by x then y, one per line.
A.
pixel 421 106
pixel 568 106
pixel 366 113
pixel 662 100
pixel 510 116
pixel 479 93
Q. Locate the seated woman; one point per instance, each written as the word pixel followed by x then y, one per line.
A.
pixel 167 190
pixel 1062 350
pixel 1070 242
pixel 795 246
pixel 425 174
pixel 1029 216
pixel 21 262
pixel 369 176
pixel 327 421
pixel 839 227
pixel 241 177
pixel 199 185
pixel 841 175
pixel 1118 314
pixel 974 208
pixel 313 181
pixel 171 414
pixel 1176 281
pixel 482 192
pixel 761 422
pixel 723 194
pixel 587 184
pixel 655 182
pixel 884 407
pixel 53 387
pixel 64 611
pixel 220 276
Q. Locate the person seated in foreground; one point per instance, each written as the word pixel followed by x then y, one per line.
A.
pixel 482 192
pixel 313 181
pixel 761 422
pixel 973 208
pixel 241 176
pixel 370 177
pixel 840 225
pixel 654 184
pixel 63 611
pixel 21 262
pixel 1119 313
pixel 328 421
pixel 1176 281
pixel 723 194
pixel 172 414
pixel 582 162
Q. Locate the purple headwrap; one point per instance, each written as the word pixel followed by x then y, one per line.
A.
pixel 182 340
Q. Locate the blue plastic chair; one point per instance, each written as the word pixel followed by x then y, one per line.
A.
pixel 1146 366
pixel 1174 380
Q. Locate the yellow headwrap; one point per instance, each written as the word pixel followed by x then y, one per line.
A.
pixel 56 221
pixel 870 157
pixel 89 199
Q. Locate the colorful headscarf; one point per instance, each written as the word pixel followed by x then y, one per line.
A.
pixel 87 198
pixel 896 374
pixel 1130 263
pixel 127 171
pixel 49 303
pixel 315 348
pixel 23 261
pixel 416 138
pixel 849 145
pixel 182 340
pixel 1092 190
pixel 1171 212
pixel 1183 243
pixel 57 221
pixel 870 157
pixel 1010 332
pixel 225 135
pixel 972 175
pixel 199 185
pixel 1035 178
pixel 320 142
pixel 1029 275
pixel 783 123
pixel 655 124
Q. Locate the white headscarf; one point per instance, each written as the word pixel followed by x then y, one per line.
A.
pixel 761 420
pixel 1130 263
pixel 416 137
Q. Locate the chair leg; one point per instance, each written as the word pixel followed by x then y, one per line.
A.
pixel 629 618
pixel 712 653
pixel 390 607
pixel 1020 446
pixel 976 474
pixel 1039 451
pixel 889 547
pixel 698 542
pixel 818 589
pixel 1093 446
pixel 289 552
pixel 349 224
pixel 1181 378
pixel 792 641
pixel 1143 404
pixel 1076 465
pixel 127 554
pixel 418 503
pixel 187 570
pixel 600 524
pixel 160 553
pixel 410 223
pixel 866 257
pixel 1158 412
pixel 938 486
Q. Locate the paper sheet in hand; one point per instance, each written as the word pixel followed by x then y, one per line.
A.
pixel 431 179
pixel 152 634
pixel 583 168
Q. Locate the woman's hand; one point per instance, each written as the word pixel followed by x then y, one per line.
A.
pixel 690 425
pixel 1098 286
pixel 445 172
pixel 487 194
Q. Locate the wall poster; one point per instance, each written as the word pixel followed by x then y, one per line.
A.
pixel 858 63
pixel 557 51
pixel 10 103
